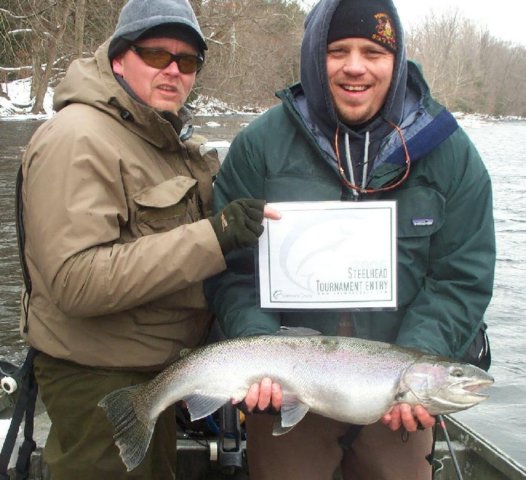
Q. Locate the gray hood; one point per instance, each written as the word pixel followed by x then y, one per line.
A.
pixel 315 82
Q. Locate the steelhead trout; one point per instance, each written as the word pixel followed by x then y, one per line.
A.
pixel 347 379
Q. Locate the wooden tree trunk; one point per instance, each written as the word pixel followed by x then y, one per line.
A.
pixel 2 92
pixel 80 21
pixel 51 54
pixel 38 46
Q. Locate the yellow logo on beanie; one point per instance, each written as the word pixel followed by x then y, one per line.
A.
pixel 384 30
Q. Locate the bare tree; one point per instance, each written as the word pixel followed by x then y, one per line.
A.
pixel 80 22
pixel 467 69
pixel 433 44
pixel 254 50
pixel 14 53
pixel 48 31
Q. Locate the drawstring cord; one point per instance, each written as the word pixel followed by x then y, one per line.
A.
pixel 365 160
pixel 351 184
pixel 349 163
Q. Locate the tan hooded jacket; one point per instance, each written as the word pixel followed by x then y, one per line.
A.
pixel 116 241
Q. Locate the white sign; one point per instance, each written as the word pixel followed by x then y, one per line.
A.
pixel 329 255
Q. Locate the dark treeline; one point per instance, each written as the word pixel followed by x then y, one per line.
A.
pixel 254 51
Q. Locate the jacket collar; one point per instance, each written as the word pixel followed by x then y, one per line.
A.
pixel 91 81
pixel 424 122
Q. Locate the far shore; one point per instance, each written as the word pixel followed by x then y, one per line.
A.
pixel 214 111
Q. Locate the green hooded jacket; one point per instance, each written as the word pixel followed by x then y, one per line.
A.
pixel 445 264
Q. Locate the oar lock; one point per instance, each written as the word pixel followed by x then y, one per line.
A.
pixel 9 385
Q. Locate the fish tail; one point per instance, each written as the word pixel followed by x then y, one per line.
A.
pixel 132 436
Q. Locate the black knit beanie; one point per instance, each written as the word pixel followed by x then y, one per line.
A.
pixel 155 18
pixel 368 19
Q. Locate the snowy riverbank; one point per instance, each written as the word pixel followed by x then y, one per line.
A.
pixel 18 106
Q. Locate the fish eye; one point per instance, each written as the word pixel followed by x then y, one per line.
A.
pixel 457 372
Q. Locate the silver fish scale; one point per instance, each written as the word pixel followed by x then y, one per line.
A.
pixel 345 378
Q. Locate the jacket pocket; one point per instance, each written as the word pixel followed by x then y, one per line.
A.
pixel 167 205
pixel 420 214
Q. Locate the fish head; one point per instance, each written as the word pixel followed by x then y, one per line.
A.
pixel 442 386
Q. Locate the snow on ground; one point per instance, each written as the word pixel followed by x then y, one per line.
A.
pixel 18 107
pixel 218 144
pixel 18 104
pixel 213 124
pixel 208 106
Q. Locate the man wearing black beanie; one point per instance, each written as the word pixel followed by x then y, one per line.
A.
pixel 120 234
pixel 362 126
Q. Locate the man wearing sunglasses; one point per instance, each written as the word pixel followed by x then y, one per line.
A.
pixel 120 234
pixel 362 126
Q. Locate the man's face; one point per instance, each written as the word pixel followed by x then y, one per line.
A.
pixel 360 73
pixel 166 89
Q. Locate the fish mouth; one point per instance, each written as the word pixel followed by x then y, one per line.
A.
pixel 459 396
pixel 472 390
pixel 475 389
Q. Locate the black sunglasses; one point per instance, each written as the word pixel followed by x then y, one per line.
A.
pixel 159 58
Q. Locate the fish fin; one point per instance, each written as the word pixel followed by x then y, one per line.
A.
pixel 200 406
pixel 292 412
pixel 278 430
pixel 131 435
pixel 296 331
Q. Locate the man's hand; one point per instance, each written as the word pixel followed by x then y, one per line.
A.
pixel 261 396
pixel 403 415
pixel 271 213
pixel 238 225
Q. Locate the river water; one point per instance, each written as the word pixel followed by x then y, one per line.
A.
pixel 501 419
